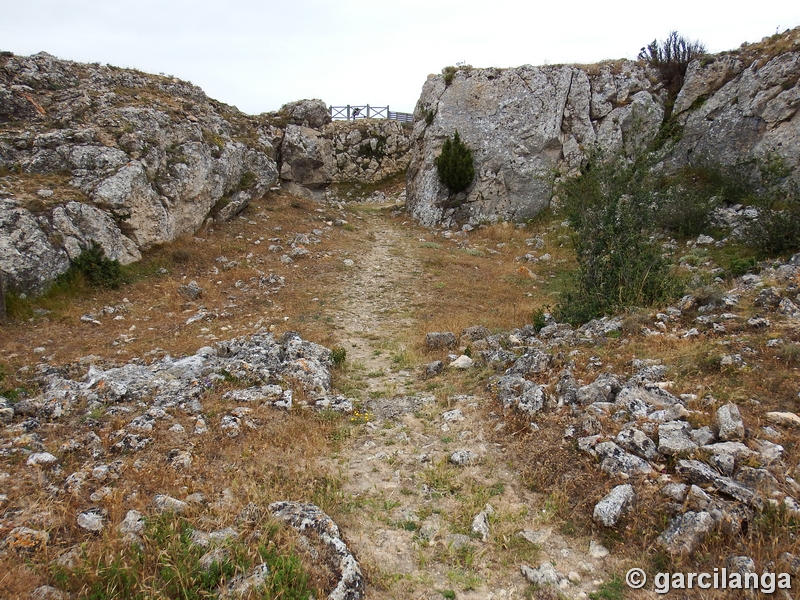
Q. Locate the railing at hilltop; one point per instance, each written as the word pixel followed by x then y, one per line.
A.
pixel 365 111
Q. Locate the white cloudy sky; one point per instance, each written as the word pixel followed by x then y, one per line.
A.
pixel 259 55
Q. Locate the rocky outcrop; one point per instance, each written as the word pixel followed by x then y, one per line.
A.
pixel 92 153
pixel 528 125
pixel 126 159
pixel 364 151
pixel 522 125
pixel 730 113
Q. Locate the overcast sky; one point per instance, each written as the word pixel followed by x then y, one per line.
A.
pixel 260 55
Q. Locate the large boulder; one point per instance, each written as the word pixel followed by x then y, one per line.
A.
pixel 306 167
pixel 306 113
pixel 522 125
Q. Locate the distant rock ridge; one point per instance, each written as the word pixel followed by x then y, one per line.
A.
pixel 528 125
pixel 94 153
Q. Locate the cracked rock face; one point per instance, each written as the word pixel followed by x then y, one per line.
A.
pixel 521 124
pixel 525 123
pixel 135 171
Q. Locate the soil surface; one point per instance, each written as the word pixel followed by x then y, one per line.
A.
pixel 411 525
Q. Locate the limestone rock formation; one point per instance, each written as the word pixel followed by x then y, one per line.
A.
pixel 126 159
pixel 528 125
pixel 364 151
pixel 306 113
pixel 522 125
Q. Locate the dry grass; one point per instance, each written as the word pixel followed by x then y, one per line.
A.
pixel 24 187
pixel 768 47
pixel 458 282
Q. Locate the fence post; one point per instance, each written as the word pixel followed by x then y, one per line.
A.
pixel 348 112
pixel 388 113
pixel 2 300
pixel 368 111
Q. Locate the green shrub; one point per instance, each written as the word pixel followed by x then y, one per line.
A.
pixel 338 356
pixel 248 181
pixel 672 57
pixel 619 263
pixel 685 200
pixel 449 74
pixel 455 165
pixel 538 319
pixel 96 268
pixel 776 229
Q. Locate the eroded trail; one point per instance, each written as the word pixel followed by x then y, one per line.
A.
pixel 421 525
pixel 375 296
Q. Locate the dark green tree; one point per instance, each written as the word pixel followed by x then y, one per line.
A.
pixel 455 165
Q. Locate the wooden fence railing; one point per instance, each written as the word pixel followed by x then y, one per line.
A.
pixel 365 111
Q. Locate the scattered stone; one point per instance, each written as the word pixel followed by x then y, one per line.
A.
pixel 48 592
pixel 701 474
pixel 674 440
pixel 243 585
pixel 729 422
pixel 456 541
pixel 476 332
pixel 609 510
pixel 132 526
pixel 24 539
pixel 463 458
pixel 480 525
pixel 191 291
pixel 544 575
pixel 41 459
pixel 440 340
pixel 93 520
pixel 637 442
pixel 163 503
pixel 597 550
pixel 434 368
pixel 685 532
pixel 675 491
pixel 452 415
pixel 741 564
pixel 702 436
pixel 462 362
pixel 536 537
pixel 614 460
pixel 788 419
pixel 758 322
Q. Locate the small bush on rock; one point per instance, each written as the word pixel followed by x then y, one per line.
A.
pixel 455 165
pixel 672 57
pixel 96 268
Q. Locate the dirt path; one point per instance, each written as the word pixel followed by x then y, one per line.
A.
pixel 411 509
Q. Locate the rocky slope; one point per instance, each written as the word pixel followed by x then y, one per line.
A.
pixel 528 124
pixel 552 457
pixel 131 160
